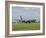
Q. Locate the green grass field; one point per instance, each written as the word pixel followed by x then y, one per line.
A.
pixel 24 26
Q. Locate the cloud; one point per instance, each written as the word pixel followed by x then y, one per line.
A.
pixel 26 8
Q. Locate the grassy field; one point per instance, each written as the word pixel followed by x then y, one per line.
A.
pixel 24 26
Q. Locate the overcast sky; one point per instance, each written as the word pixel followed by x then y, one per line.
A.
pixel 26 13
